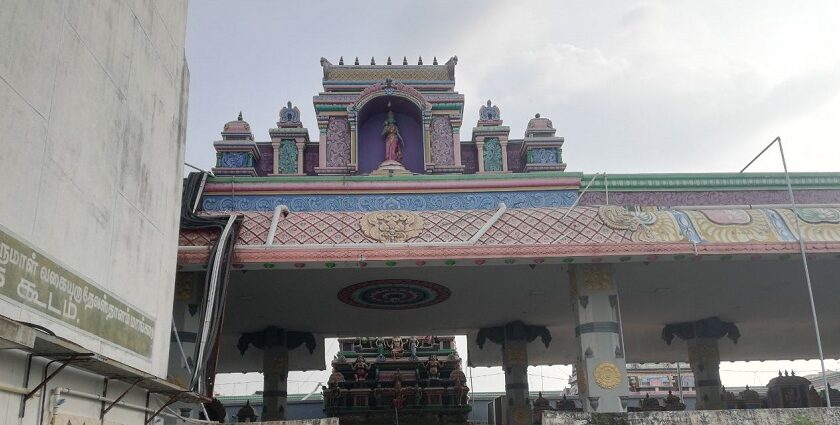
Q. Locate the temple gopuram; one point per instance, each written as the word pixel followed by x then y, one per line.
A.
pixel 413 380
pixel 379 219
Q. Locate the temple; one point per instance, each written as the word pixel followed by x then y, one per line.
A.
pixel 418 379
pixel 385 222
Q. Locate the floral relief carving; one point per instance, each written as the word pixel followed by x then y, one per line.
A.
pixel 492 154
pixel 443 152
pixel 338 142
pixel 392 226
pixel 288 157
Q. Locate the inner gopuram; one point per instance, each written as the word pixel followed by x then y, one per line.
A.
pixel 389 224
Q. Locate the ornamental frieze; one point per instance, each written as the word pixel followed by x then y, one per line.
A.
pixel 391 226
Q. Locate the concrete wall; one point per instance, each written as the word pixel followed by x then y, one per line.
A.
pixel 813 416
pixel 92 110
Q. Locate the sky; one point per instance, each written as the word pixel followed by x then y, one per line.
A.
pixel 672 86
pixel 633 86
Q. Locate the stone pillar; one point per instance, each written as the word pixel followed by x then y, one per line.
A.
pixel 299 143
pixel 456 145
pixel 503 141
pixel 322 144
pixel 275 158
pixel 354 137
pixel 479 146
pixel 704 356
pixel 427 138
pixel 515 365
pixel 514 338
pixel 275 372
pixel 702 337
pixel 601 368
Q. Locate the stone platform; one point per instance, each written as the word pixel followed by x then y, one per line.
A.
pixel 810 416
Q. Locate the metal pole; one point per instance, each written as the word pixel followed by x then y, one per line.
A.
pixel 804 258
pixel 807 272
pixel 679 381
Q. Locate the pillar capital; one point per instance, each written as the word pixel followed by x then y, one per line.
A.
pixel 513 331
pixel 708 328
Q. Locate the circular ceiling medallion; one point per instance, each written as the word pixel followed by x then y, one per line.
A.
pixel 394 294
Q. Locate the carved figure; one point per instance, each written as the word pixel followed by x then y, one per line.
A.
pixel 433 367
pixel 397 347
pixel 412 346
pixel 335 379
pixel 361 368
pixel 393 140
pixel 380 350
pixel 459 387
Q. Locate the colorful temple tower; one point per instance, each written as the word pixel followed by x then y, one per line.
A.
pixel 410 380
pixel 352 110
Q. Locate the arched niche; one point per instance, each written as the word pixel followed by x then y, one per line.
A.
pixel 371 144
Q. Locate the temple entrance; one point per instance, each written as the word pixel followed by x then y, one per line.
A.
pixel 371 140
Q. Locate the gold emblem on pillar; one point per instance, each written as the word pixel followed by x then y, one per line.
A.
pixel 597 277
pixel 607 375
pixel 391 226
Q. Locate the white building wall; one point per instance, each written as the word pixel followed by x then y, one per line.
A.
pixel 92 111
pixel 93 100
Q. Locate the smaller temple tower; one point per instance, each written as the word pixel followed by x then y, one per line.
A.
pixel 541 149
pixel 236 153
pixel 288 141
pixel 491 140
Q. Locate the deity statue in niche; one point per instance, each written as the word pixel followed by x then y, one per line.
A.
pixel 393 140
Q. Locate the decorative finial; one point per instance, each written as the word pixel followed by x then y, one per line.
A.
pixel 341 60
pixel 389 60
pixel 488 103
pixel 372 61
pixel 239 118
pixel 420 60
pixel 786 373
pixel 792 373
pixel 537 115
pixel 405 60
pixel 780 373
pixel 434 61
pixel 357 61
pixel 289 104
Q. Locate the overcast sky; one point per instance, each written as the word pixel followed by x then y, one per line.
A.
pixel 632 86
pixel 672 86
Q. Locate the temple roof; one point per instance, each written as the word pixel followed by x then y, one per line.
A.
pixel 394 70
pixel 608 232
